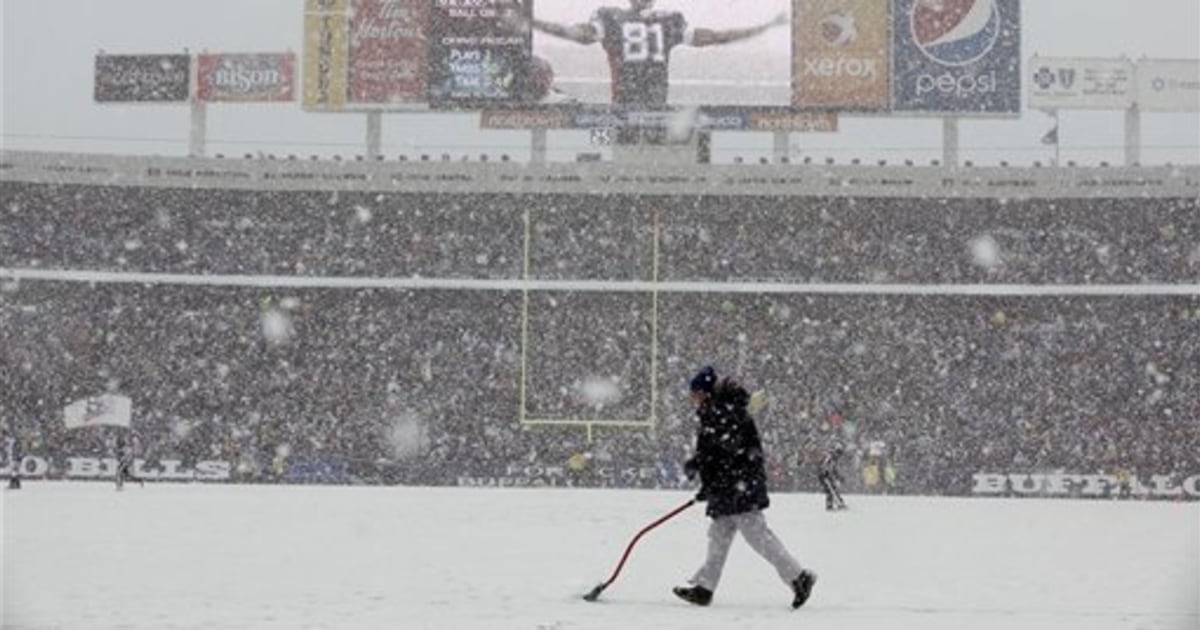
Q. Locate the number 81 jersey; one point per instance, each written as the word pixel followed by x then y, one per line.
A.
pixel 639 53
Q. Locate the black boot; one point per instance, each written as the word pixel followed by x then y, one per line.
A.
pixel 697 595
pixel 802 587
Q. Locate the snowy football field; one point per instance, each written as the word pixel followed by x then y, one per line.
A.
pixel 80 555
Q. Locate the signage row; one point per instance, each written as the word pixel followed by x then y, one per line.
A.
pixel 1158 85
pixel 221 77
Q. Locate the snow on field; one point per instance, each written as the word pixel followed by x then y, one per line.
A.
pixel 80 555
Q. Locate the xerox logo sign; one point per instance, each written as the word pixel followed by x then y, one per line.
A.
pixel 841 54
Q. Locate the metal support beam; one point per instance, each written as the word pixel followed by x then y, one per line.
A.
pixel 537 147
pixel 1133 135
pixel 198 132
pixel 781 150
pixel 374 135
pixel 950 141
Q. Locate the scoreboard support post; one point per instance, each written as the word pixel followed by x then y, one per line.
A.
pixel 950 141
pixel 198 123
pixel 374 134
pixel 537 146
pixel 198 131
pixel 1133 135
pixel 781 146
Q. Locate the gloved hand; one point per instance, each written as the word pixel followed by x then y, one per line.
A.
pixel 702 495
pixel 691 469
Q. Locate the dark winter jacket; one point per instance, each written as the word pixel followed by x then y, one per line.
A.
pixel 729 454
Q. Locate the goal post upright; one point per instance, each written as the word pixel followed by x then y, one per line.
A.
pixel 651 420
pixel 524 320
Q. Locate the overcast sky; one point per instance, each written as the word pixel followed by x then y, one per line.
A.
pixel 49 46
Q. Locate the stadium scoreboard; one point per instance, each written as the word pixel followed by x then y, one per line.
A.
pixel 777 63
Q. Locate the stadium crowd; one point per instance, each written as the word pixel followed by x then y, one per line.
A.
pixel 361 385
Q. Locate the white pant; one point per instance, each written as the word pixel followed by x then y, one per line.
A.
pixel 753 527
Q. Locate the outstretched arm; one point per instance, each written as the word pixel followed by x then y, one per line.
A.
pixel 583 33
pixel 579 33
pixel 712 37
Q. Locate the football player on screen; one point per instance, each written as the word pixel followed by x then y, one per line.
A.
pixel 638 41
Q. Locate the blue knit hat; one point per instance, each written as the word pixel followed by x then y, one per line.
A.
pixel 704 380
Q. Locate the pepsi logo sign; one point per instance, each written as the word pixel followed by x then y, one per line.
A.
pixel 955 32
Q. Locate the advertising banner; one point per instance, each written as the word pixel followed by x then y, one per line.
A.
pixel 1077 83
pixel 387 54
pixel 1168 85
pixel 142 78
pixel 525 119
pixel 256 77
pixel 477 57
pixel 325 55
pixel 713 119
pixel 813 122
pixel 956 56
pixel 89 467
pixel 1091 485
pixel 841 56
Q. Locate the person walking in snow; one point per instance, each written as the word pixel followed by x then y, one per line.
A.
pixel 733 484
pixel 831 478
pixel 126 451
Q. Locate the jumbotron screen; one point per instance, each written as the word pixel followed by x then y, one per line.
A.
pixel 649 55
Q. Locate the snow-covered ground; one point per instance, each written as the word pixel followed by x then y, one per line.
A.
pixel 79 555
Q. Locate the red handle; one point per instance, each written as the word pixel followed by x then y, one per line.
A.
pixel 662 519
